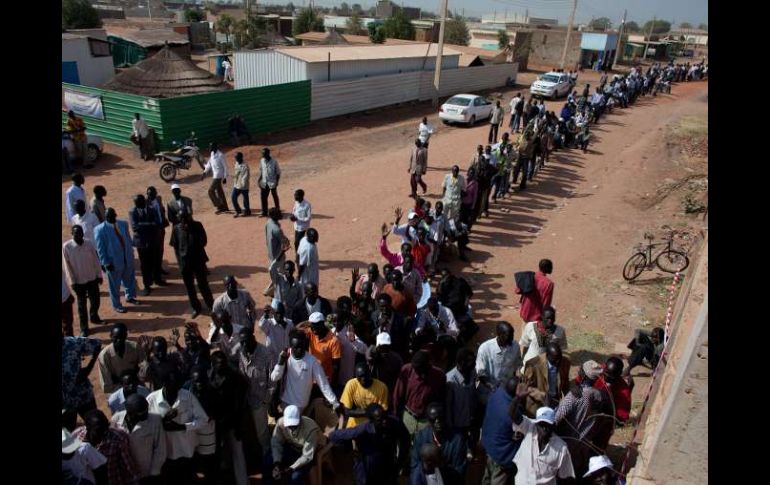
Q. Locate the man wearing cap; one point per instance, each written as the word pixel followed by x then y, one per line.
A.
pixel 297 370
pixel 543 457
pixel 547 377
pixel 582 416
pixel 386 364
pixel 407 232
pixel 146 437
pixel 81 462
pixel 294 444
pixel 418 385
pixel 600 471
pixel 216 166
pixel 116 255
pixel 178 203
pixel 118 356
pixel 268 178
pixel 324 345
pixel 85 275
pixel 536 335
pixel 236 302
pixel 113 444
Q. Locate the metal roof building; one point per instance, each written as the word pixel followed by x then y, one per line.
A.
pixel 335 63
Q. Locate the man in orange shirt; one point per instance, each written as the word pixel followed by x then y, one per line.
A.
pixel 77 129
pixel 401 300
pixel 324 345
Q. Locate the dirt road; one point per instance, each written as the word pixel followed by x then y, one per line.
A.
pixel 584 211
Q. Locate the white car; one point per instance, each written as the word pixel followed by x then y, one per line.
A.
pixel 551 85
pixel 95 146
pixel 465 108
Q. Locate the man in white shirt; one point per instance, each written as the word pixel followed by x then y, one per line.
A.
pixel 216 166
pixel 543 457
pixel 228 68
pixel 424 131
pixel 307 258
pixel 237 302
pixel 514 123
pixel 497 358
pixel 439 318
pixel 223 335
pixel 85 275
pixel 277 329
pixel 182 416
pixel 129 380
pixel 147 439
pixel 300 216
pixel 142 133
pixel 297 371
pixel 269 176
pixel 75 192
pixel 67 299
pixel 536 336
pixel 87 220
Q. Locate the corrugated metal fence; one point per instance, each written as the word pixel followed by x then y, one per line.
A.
pixel 119 109
pixel 343 97
pixel 266 109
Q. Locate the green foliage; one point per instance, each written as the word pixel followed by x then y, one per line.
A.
pixel 456 32
pixel 79 14
pixel 398 27
pixel 224 25
pixel 344 8
pixel 692 205
pixel 602 23
pixel 357 9
pixel 503 41
pixel 703 27
pixel 660 27
pixel 376 33
pixel 354 25
pixel 191 15
pixel 307 21
pixel 631 27
pixel 685 25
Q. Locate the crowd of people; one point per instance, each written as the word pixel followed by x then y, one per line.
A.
pixel 389 372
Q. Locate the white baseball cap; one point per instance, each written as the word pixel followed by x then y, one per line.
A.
pixel 596 463
pixel 291 416
pixel 383 339
pixel 545 415
pixel 316 317
pixel 411 215
pixel 175 186
pixel 69 443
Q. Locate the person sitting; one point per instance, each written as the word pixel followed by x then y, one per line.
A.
pixel 646 346
pixel 296 439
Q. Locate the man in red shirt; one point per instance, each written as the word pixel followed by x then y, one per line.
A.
pixel 418 384
pixel 532 303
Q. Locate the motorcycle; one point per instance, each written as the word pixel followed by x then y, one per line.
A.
pixel 179 159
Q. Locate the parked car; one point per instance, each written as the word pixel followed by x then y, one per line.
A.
pixel 94 151
pixel 551 85
pixel 465 108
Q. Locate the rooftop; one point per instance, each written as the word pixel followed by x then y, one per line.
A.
pixel 359 53
pixel 351 39
pixel 149 37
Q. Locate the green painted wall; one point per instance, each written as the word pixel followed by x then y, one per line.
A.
pixel 119 109
pixel 125 53
pixel 265 109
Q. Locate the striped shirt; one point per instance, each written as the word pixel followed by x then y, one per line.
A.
pixel 81 262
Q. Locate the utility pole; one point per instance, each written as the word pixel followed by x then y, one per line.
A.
pixel 440 51
pixel 620 36
pixel 649 38
pixel 569 31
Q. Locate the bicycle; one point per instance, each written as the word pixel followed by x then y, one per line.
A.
pixel 668 259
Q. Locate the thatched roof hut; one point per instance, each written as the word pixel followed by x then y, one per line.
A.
pixel 166 75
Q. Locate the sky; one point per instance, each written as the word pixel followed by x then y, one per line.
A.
pixel 640 11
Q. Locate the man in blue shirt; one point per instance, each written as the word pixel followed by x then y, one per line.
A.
pixel 498 438
pixel 452 443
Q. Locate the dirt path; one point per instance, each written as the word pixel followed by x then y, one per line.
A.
pixel 584 211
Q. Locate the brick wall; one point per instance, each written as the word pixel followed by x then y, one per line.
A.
pixel 546 47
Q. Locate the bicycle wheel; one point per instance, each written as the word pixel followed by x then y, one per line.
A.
pixel 634 266
pixel 672 261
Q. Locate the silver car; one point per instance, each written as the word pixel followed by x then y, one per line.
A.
pixel 93 152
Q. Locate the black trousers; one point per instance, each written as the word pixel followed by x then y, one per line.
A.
pixel 190 274
pixel 263 197
pixel 521 165
pixel 150 264
pixel 493 127
pixel 179 471
pixel 87 293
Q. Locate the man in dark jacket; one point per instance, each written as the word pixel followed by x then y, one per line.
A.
pixel 188 239
pixel 145 226
pixel 311 303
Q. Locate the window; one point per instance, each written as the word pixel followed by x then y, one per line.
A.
pixel 545 39
pixel 477 102
pixel 99 48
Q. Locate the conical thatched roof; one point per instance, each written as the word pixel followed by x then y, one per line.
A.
pixel 166 75
pixel 334 38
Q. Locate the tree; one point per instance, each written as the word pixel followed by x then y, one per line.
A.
pixel 703 27
pixel 456 32
pixel 602 23
pixel 191 15
pixel 503 41
pixel 354 24
pixel 357 9
pixel 290 7
pixel 344 8
pixel 631 27
pixel 685 25
pixel 307 21
pixel 398 27
pixel 211 7
pixel 660 27
pixel 376 33
pixel 224 25
pixel 79 14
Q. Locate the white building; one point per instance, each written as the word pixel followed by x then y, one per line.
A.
pixel 86 59
pixel 326 63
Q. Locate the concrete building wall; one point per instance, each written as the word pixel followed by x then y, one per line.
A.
pixel 546 48
pixel 92 71
pixel 674 449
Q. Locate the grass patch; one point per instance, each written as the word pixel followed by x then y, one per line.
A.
pixel 691 127
pixel 593 342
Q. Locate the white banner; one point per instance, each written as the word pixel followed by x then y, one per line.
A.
pixel 84 104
